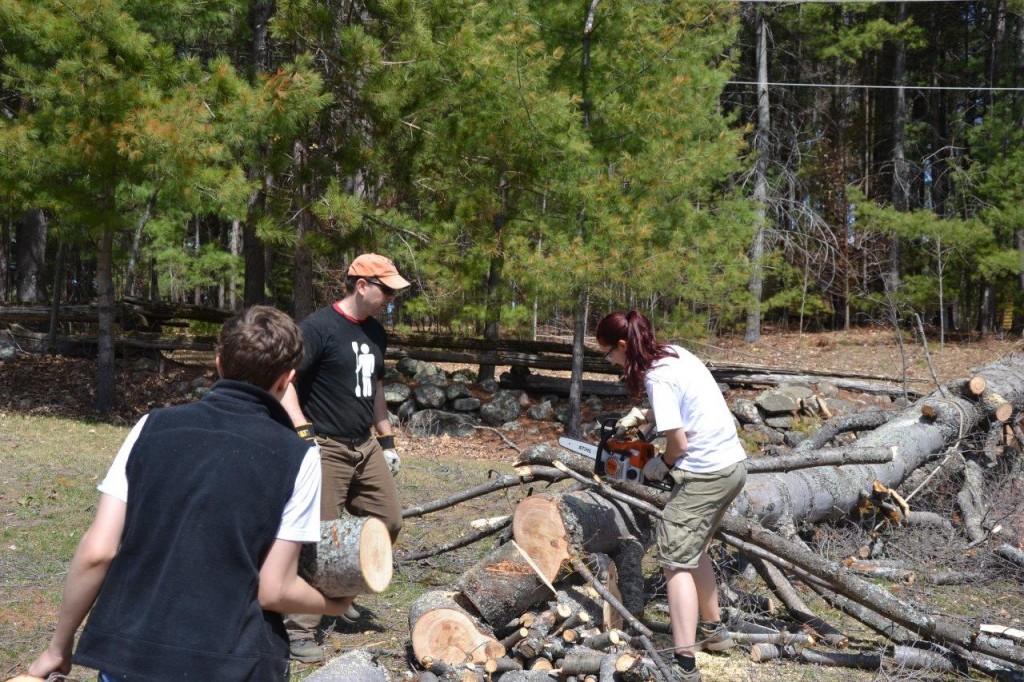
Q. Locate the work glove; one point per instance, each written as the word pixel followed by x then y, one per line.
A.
pixel 634 418
pixel 656 469
pixel 393 460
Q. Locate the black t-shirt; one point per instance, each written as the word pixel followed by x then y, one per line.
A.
pixel 338 377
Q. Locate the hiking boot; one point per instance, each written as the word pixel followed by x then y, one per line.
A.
pixel 714 637
pixel 352 615
pixel 305 651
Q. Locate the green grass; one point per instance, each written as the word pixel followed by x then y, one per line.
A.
pixel 49 469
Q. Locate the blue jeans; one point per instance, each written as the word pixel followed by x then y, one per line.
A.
pixel 104 677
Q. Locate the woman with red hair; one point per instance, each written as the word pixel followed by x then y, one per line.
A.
pixel 704 460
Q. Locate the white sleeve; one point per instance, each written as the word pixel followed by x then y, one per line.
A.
pixel 300 521
pixel 116 482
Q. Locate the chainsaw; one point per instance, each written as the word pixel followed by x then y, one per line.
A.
pixel 617 459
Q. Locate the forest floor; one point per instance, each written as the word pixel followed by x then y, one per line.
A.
pixel 53 451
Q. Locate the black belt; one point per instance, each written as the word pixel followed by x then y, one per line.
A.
pixel 350 442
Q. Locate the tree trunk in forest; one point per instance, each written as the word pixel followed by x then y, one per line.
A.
pixel 5 260
pixel 133 254
pixel 254 291
pixel 761 144
pixel 236 249
pixel 302 287
pixel 58 288
pixel 105 363
pixel 574 427
pixel 30 239
pixel 900 170
pixel 492 287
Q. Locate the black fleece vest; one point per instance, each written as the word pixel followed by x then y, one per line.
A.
pixel 207 484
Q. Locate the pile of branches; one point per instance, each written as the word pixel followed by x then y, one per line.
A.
pixel 571 559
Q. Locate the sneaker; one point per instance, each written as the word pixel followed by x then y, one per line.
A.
pixel 305 651
pixel 714 637
pixel 352 615
pixel 684 676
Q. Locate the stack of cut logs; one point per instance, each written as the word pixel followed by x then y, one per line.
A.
pixel 554 602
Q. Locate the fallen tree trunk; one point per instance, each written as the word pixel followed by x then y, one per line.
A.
pixel 813 495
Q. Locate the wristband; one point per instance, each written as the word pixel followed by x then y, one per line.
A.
pixel 386 442
pixel 306 432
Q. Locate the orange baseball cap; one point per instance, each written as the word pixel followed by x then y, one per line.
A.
pixel 378 267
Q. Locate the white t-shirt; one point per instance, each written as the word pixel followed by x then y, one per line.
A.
pixel 300 521
pixel 683 394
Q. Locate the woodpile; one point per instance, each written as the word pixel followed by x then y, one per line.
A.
pixel 562 597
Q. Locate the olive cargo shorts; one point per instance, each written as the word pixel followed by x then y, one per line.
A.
pixel 695 509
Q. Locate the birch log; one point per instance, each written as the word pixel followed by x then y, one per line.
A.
pixel 353 557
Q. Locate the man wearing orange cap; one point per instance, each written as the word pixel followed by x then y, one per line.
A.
pixel 339 390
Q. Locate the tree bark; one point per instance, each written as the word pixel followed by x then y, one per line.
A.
pixel 353 557
pixel 30 237
pixel 761 144
pixel 105 364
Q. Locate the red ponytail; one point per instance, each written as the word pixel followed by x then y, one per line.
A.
pixel 642 349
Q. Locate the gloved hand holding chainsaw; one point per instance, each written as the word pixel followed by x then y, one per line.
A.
pixel 633 419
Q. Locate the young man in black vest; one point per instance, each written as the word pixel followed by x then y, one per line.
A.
pixel 193 553
pixel 340 390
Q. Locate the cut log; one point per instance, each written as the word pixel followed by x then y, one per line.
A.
pixel 442 630
pixel 502 585
pixel 546 526
pixel 353 557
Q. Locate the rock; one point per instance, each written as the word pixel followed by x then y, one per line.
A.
pixel 146 365
pixel 500 410
pixel 839 406
pixel 438 379
pixel 784 422
pixel 200 382
pixel 827 390
pixel 549 398
pixel 438 422
pixel 794 438
pixel 429 397
pixel 774 401
pixel 355 666
pixel 746 411
pixel 466 404
pixel 456 391
pixel 200 391
pixel 541 411
pixel 25 404
pixel 391 374
pixel 594 403
pixel 797 391
pixel 396 394
pixel 488 386
pixel 763 434
pixel 407 366
pixel 512 426
pixel 518 395
pixel 463 376
pixel 8 351
pixel 406 410
pixel 562 413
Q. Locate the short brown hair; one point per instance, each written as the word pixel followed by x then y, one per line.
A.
pixel 258 345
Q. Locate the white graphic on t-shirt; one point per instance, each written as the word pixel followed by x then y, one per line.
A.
pixel 364 370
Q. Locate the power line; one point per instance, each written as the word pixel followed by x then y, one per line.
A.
pixel 861 86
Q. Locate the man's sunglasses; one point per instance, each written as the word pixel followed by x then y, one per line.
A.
pixel 385 289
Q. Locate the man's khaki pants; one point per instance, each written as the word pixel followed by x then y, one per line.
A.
pixel 356 480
